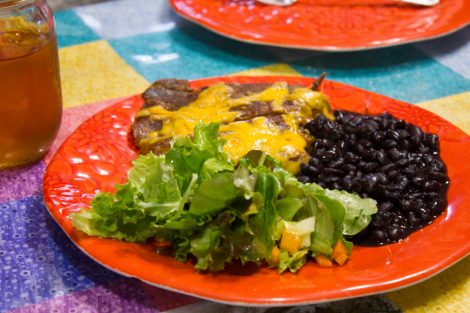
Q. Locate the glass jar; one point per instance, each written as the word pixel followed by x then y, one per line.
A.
pixel 30 94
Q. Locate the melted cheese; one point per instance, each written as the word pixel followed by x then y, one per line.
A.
pixel 215 104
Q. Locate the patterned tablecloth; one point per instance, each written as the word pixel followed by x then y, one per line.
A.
pixel 115 49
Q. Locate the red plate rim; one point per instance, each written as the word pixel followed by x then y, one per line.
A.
pixel 370 270
pixel 233 32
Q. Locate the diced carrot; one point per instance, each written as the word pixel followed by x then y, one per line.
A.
pixel 341 259
pixel 290 241
pixel 340 253
pixel 339 250
pixel 323 261
pixel 275 255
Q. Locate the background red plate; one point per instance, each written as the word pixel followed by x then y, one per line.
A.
pixel 328 25
pixel 98 155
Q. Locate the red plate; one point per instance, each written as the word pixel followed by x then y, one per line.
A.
pixel 328 25
pixel 98 155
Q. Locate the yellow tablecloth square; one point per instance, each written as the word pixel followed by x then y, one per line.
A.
pixel 94 72
pixel 455 109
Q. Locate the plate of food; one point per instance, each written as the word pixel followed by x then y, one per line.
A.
pixel 265 190
pixel 327 25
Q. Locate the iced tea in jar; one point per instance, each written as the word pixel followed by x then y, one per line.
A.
pixel 30 94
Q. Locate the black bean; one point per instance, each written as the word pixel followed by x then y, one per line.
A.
pixel 395 233
pixel 418 180
pixel 435 206
pixel 385 206
pixel 309 170
pixel 342 145
pixel 327 143
pixel 369 185
pixel 395 154
pixel 328 155
pixel 402 162
pixel 425 214
pixel 379 235
pixel 393 135
pixel 321 177
pixel 430 196
pixel 400 124
pixel 351 157
pixel 405 145
pixel 361 150
pixel 402 180
pixel 392 174
pixel 408 205
pixel 351 137
pixel 379 220
pixel 381 157
pixel 356 184
pixel 391 195
pixel 424 149
pixel 427 159
pixel 387 168
pixel 333 171
pixel 378 137
pixel 437 165
pixel 336 134
pixel 398 220
pixel 382 178
pixel 416 134
pixel 361 164
pixel 350 129
pixel 403 134
pixel 396 189
pixel 432 141
pixel 331 179
pixel 442 203
pixel 321 184
pixel 415 157
pixel 349 168
pixel 315 162
pixel 431 185
pixel 389 144
pixel 347 183
pixel 304 179
pixel 412 219
pixel 338 163
pixel 387 123
pixel 371 166
pixel 339 115
pixel 365 143
pixel 410 170
pixel 336 185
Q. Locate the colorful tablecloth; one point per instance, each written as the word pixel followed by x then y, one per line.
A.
pixel 115 49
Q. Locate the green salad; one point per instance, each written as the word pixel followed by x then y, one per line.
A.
pixel 214 212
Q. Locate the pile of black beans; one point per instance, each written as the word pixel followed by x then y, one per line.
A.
pixel 384 158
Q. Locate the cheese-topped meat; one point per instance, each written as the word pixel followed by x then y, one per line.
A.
pixel 264 117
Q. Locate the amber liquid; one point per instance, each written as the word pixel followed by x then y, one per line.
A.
pixel 30 98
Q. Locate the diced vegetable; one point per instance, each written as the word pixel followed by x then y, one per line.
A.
pixel 290 241
pixel 323 261
pixel 340 253
pixel 275 255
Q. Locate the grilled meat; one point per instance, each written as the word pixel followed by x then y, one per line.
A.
pixel 252 116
